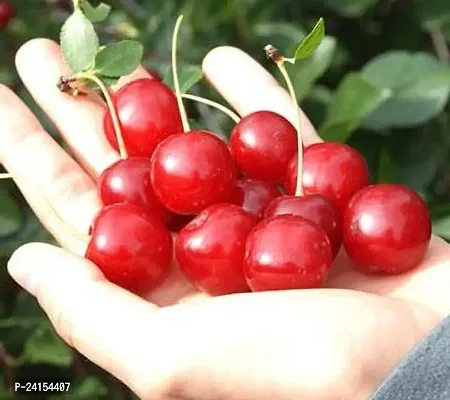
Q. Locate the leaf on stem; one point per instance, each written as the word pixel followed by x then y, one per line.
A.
pixel 355 99
pixel 96 14
pixel 79 42
pixel 188 75
pixel 310 43
pixel 119 59
pixel 420 87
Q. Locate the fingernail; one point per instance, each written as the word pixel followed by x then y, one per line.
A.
pixel 20 271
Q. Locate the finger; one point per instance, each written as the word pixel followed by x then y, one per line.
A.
pixel 248 87
pixel 427 284
pixel 44 172
pixel 80 120
pixel 40 65
pixel 110 326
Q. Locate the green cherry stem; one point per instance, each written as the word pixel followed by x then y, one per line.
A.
pixel 75 233
pixel 176 82
pixel 213 104
pixel 112 110
pixel 279 60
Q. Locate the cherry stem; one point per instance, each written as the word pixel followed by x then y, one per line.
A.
pixel 75 233
pixel 112 110
pixel 297 124
pixel 211 103
pixel 176 82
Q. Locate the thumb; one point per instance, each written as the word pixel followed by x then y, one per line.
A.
pixel 113 328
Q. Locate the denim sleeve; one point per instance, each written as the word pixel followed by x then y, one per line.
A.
pixel 425 372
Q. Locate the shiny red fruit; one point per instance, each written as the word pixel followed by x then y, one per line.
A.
pixel 386 229
pixel 7 13
pixel 128 181
pixel 333 170
pixel 314 208
pixel 131 247
pixel 192 171
pixel 210 249
pixel 254 195
pixel 262 144
pixel 287 252
pixel 148 113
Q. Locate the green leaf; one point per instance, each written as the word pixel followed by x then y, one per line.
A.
pixel 433 14
pixel 10 216
pixel 441 226
pixel 79 42
pixel 354 100
pixel 440 215
pixel 45 346
pixel 309 44
pixel 419 84
pixel 414 159
pixel 305 74
pixel 119 59
pixel 108 80
pixel 350 8
pixel 188 75
pixel 96 14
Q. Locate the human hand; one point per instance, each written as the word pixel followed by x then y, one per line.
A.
pixel 177 343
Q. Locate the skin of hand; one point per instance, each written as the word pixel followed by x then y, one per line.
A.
pixel 338 342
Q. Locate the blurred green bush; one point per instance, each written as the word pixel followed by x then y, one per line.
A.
pixel 380 81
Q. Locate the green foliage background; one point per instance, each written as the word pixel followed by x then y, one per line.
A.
pixel 380 81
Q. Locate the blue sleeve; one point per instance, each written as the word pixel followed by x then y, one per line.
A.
pixel 425 372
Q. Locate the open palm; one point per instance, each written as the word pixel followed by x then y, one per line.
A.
pixel 332 343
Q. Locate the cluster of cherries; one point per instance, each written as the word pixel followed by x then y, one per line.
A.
pixel 228 213
pixel 7 13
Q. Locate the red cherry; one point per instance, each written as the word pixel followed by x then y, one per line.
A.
pixel 286 252
pixel 254 195
pixel 7 13
pixel 333 170
pixel 387 229
pixel 314 208
pixel 148 113
pixel 131 247
pixel 128 181
pixel 263 143
pixel 191 171
pixel 210 249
